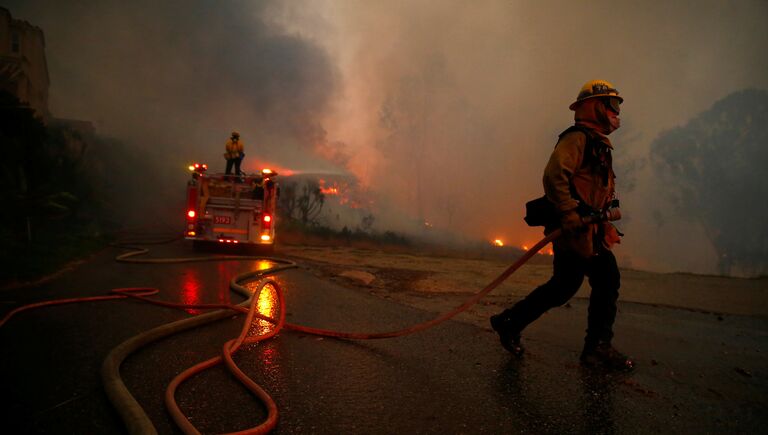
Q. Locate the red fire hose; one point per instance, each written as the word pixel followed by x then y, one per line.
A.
pixel 133 415
pixel 443 317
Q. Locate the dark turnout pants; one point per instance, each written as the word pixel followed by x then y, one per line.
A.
pixel 236 163
pixel 569 271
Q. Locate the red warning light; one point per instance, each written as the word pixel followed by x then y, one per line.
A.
pixel 191 214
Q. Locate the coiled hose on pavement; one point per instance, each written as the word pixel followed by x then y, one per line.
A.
pixel 133 415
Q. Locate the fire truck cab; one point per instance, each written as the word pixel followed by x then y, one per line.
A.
pixel 231 209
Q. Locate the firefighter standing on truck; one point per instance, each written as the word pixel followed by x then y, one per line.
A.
pixel 234 153
pixel 579 181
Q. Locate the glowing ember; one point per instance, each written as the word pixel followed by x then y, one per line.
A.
pixel 542 251
pixel 329 190
pixel 498 242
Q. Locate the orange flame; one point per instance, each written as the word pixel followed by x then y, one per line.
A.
pixel 342 191
pixel 543 251
pixel 254 166
pixel 331 190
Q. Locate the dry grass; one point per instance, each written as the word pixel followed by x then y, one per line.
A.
pixel 431 281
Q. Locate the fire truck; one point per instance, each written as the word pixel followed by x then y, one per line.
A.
pixel 231 209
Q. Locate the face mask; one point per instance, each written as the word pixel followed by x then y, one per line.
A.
pixel 614 121
pixel 608 116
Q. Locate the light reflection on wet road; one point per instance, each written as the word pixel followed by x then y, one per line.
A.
pixel 453 378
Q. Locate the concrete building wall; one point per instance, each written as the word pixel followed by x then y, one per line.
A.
pixel 23 67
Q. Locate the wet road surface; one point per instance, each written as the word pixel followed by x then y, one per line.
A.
pixel 697 373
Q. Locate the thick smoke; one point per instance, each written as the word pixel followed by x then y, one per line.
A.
pixel 180 76
pixel 445 110
pixel 452 108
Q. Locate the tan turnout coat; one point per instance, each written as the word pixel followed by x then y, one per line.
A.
pixel 591 178
pixel 233 149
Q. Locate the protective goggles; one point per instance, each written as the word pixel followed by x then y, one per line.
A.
pixel 613 104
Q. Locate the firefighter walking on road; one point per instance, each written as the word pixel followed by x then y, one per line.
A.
pixel 234 153
pixel 579 181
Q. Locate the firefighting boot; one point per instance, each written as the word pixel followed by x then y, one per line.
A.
pixel 509 337
pixel 603 355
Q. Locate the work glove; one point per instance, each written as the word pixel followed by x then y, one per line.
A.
pixel 571 222
pixel 611 235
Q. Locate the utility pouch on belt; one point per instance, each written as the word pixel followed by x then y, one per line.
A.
pixel 541 212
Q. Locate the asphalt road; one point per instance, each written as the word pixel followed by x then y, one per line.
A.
pixel 697 373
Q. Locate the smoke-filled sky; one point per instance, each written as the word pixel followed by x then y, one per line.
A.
pixel 446 110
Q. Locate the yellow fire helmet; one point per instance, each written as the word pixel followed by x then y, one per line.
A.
pixel 596 88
